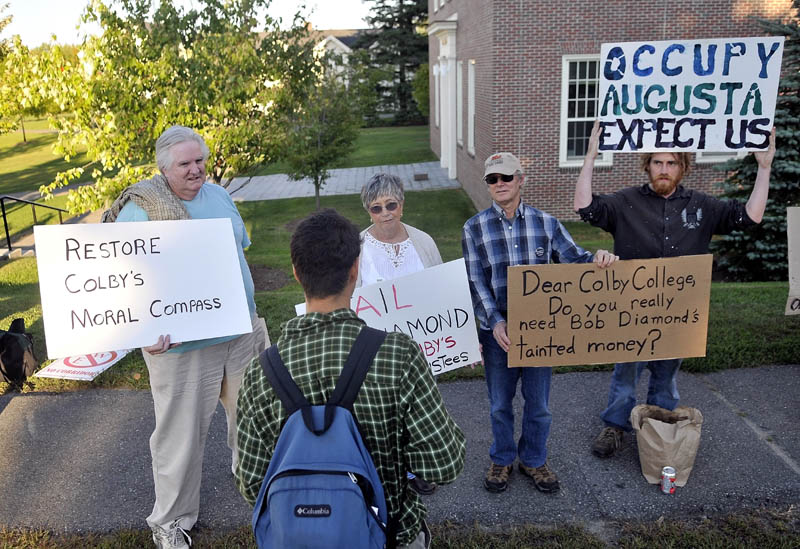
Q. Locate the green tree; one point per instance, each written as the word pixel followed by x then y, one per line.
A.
pixel 220 68
pixel 20 96
pixel 4 22
pixel 421 85
pixel 760 253
pixel 321 130
pixel 398 45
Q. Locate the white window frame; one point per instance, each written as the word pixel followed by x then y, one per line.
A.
pixel 704 157
pixel 471 107
pixel 604 158
pixel 460 103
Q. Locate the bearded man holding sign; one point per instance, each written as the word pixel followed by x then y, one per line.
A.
pixel 660 218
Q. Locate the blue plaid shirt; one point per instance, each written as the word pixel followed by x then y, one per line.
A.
pixel 491 243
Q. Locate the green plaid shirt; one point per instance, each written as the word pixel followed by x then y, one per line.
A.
pixel 402 417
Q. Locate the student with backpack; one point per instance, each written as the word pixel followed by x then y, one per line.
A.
pixel 397 413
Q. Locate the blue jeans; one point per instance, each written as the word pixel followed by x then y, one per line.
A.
pixel 536 417
pixel 662 390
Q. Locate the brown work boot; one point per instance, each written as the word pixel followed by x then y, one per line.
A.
pixel 497 478
pixel 607 442
pixel 544 478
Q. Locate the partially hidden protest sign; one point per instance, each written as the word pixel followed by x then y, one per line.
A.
pixel 432 306
pixel 693 95
pixel 574 314
pixel 793 239
pixel 83 367
pixel 120 285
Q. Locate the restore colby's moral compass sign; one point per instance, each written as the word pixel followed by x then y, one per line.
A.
pixel 121 285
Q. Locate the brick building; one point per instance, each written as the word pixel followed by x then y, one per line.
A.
pixel 521 76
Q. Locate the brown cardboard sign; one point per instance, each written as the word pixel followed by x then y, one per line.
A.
pixel 793 241
pixel 574 314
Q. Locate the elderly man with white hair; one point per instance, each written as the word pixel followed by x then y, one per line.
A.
pixel 187 379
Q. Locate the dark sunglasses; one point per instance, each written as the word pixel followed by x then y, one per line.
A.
pixel 377 208
pixel 494 178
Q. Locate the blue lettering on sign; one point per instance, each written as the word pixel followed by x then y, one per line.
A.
pixel 698 60
pixel 638 71
pixel 665 59
pixel 764 57
pixel 729 54
pixel 611 73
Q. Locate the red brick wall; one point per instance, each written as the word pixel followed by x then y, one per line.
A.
pixel 518 79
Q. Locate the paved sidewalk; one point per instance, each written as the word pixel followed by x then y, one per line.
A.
pixel 423 176
pixel 342 181
pixel 78 462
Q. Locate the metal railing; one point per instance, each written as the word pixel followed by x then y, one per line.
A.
pixel 34 205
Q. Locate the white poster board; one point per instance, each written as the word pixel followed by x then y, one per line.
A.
pixel 120 285
pixel 689 95
pixel 433 306
pixel 793 240
pixel 83 367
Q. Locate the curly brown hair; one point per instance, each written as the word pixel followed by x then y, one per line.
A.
pixel 684 161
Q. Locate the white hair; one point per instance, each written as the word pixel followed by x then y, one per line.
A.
pixel 173 136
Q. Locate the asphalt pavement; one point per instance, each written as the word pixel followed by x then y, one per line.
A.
pixel 79 462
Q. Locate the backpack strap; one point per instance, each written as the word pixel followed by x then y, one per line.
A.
pixel 284 386
pixel 354 371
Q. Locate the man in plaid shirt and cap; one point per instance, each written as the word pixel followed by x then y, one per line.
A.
pixel 401 414
pixel 508 233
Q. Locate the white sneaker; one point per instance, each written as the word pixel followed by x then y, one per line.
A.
pixel 174 538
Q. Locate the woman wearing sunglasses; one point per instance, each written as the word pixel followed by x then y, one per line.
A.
pixel 391 249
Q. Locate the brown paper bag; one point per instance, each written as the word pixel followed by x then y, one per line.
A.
pixel 666 438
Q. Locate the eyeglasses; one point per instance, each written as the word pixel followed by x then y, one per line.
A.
pixel 494 178
pixel 377 208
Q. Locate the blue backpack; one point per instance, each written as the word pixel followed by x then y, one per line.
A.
pixel 321 488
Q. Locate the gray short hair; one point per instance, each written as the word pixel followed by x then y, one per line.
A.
pixel 173 136
pixel 381 184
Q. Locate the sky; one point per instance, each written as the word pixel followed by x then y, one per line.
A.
pixel 36 20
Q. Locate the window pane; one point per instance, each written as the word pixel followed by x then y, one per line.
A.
pixel 572 92
pixel 571 109
pixel 573 70
pixel 593 69
pixel 582 70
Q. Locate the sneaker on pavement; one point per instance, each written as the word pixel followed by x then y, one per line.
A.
pixel 544 478
pixel 607 442
pixel 422 486
pixel 173 538
pixel 497 478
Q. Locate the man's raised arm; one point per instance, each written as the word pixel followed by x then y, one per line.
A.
pixel 758 198
pixel 583 189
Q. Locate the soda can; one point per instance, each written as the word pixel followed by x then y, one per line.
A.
pixel 668 480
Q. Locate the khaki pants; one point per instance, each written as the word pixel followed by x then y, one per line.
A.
pixel 186 388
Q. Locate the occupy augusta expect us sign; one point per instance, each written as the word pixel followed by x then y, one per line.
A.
pixel 694 95
pixel 573 314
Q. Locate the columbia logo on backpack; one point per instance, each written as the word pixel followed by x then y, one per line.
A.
pixel 321 488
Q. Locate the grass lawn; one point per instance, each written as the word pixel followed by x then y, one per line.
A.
pixel 25 166
pixel 761 529
pixel 747 326
pixel 379 147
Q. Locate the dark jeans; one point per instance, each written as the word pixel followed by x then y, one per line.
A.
pixel 536 417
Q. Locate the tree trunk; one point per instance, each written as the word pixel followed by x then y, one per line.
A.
pixel 22 125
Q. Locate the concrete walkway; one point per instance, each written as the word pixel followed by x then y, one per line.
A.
pixel 79 462
pixel 423 176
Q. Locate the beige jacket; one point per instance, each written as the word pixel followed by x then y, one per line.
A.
pixel 423 244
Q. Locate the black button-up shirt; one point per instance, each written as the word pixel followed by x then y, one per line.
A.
pixel 645 225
